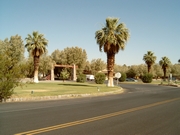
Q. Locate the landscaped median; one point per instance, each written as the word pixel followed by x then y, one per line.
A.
pixel 60 90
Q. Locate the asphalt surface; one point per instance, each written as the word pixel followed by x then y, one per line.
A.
pixel 142 109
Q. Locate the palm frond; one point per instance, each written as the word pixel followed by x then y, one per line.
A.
pixel 164 62
pixel 113 37
pixel 36 43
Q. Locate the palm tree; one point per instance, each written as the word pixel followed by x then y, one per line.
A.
pixel 112 38
pixel 164 63
pixel 36 45
pixel 149 59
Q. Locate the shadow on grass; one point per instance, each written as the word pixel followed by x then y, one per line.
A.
pixel 77 85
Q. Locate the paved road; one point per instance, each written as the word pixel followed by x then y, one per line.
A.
pixel 143 109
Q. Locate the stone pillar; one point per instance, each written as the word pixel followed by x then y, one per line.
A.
pixel 52 73
pixel 74 72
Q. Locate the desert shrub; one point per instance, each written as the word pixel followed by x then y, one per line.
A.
pixel 123 77
pixel 147 78
pixel 81 78
pixel 64 74
pixel 11 69
pixel 100 78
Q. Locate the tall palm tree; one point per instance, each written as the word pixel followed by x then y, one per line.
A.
pixel 164 63
pixel 36 45
pixel 112 38
pixel 149 59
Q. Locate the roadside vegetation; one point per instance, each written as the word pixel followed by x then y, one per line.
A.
pixel 100 78
pixel 81 78
pixel 38 65
pixel 147 78
pixel 11 67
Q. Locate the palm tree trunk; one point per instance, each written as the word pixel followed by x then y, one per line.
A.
pixel 149 68
pixel 110 68
pixel 36 67
pixel 164 70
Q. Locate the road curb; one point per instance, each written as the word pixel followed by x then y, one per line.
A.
pixel 58 97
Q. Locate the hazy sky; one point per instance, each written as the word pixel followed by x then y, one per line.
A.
pixel 154 25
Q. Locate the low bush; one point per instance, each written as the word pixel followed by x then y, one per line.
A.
pixel 123 77
pixel 147 78
pixel 81 78
pixel 100 78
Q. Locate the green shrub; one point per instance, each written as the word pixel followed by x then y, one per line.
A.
pixel 81 78
pixel 131 73
pixel 100 78
pixel 64 74
pixel 12 67
pixel 123 77
pixel 147 78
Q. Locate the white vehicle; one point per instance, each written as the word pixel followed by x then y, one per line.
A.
pixel 90 77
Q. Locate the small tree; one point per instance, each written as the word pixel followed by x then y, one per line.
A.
pixel 11 71
pixel 100 78
pixel 9 79
pixel 64 74
pixel 123 77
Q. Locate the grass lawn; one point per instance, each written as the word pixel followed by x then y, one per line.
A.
pixel 60 88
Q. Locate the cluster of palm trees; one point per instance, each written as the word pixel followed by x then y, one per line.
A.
pixel 111 39
pixel 150 59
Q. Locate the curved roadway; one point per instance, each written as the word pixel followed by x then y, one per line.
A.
pixel 142 109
